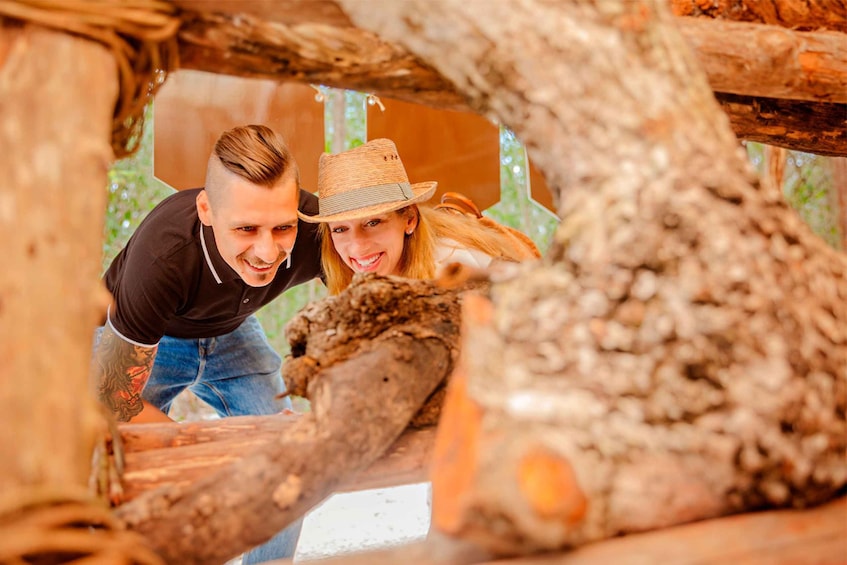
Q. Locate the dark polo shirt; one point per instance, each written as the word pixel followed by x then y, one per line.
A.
pixel 171 280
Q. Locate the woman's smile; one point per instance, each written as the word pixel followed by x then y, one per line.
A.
pixel 366 263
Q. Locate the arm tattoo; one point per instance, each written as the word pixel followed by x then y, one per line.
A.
pixel 120 370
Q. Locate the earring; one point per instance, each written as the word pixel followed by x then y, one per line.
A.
pixel 409 232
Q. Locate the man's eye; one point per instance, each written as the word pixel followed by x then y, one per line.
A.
pixel 286 227
pixel 246 229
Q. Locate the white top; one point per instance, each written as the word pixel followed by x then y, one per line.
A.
pixel 450 251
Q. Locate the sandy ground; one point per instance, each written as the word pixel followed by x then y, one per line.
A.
pixel 363 520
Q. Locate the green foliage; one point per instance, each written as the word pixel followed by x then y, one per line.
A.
pixel 809 188
pixel 275 315
pixel 355 129
pixel 133 192
pixel 516 208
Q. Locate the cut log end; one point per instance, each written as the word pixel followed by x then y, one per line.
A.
pixel 549 485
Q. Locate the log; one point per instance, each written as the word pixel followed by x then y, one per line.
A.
pixel 316 48
pixel 756 60
pixel 58 96
pixel 371 357
pixel 680 353
pixel 813 128
pixel 809 14
pixel 316 43
pixel 776 537
pixel 160 455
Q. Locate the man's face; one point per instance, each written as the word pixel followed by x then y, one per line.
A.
pixel 255 226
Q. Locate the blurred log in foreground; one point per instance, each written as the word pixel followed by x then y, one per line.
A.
pixel 681 353
pixel 368 359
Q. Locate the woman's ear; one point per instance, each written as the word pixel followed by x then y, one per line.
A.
pixel 411 220
pixel 204 211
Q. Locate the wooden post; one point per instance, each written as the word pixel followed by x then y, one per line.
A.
pixel 58 94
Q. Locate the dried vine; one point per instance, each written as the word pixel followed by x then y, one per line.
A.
pixel 141 35
pixel 49 526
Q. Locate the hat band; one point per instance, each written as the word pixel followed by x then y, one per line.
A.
pixel 364 197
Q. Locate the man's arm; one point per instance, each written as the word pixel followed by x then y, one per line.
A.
pixel 120 371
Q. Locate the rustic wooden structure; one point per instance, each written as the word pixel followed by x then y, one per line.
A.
pixel 670 268
pixel 778 85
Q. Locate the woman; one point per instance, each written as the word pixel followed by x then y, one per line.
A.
pixel 371 222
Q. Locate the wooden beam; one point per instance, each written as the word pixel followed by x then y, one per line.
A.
pixel 808 14
pixel 320 46
pixel 815 535
pixel 58 94
pixel 162 455
pixel 318 52
pixel 770 61
pixel 814 128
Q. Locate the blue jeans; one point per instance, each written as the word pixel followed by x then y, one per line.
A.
pixel 237 374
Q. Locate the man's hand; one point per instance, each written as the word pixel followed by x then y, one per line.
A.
pixel 150 415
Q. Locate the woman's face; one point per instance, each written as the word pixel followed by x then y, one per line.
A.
pixel 373 244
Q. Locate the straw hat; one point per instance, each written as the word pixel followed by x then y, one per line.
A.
pixel 366 181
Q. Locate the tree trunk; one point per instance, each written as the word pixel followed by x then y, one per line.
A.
pixel 369 358
pixel 680 355
pixel 58 96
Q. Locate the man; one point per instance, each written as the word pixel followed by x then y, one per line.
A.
pixel 187 283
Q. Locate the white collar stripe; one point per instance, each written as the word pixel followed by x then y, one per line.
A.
pixel 206 254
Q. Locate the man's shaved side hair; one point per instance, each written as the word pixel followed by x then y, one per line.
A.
pixel 255 153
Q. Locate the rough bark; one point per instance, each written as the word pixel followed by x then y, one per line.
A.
pixel 316 43
pixel 159 455
pixel 814 128
pixel 681 354
pixel 805 14
pixel 370 358
pixel 58 94
pixel 777 536
pixel 769 61
pixel 320 50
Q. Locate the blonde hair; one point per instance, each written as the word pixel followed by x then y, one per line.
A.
pixel 418 259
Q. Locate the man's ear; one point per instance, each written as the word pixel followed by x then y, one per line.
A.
pixel 203 208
